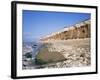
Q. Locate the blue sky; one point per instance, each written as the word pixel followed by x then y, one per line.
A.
pixel 37 24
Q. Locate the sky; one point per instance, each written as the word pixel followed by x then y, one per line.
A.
pixel 37 24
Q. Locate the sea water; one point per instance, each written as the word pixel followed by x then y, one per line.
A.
pixel 33 49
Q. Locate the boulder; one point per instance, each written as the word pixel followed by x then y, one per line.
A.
pixel 45 56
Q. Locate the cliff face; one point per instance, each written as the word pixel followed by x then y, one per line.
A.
pixel 80 30
pixel 66 48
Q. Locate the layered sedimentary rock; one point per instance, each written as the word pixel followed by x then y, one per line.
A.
pixel 80 30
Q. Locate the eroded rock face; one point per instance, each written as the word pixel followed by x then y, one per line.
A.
pixel 80 31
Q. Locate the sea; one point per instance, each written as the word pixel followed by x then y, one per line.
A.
pixel 33 48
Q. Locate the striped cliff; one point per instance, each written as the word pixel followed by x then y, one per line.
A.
pixel 79 30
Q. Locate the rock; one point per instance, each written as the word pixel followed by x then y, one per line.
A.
pixel 62 54
pixel 45 56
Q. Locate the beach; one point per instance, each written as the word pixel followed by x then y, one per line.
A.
pixel 58 54
pixel 71 53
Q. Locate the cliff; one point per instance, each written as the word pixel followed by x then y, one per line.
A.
pixel 80 30
pixel 66 48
